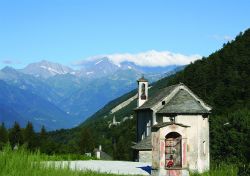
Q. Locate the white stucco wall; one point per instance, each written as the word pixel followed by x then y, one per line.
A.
pixel 203 155
pixel 198 159
pixel 145 156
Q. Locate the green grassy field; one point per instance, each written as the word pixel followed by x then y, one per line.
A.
pixel 222 170
pixel 23 163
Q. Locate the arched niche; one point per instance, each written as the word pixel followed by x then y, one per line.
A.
pixel 173 150
pixel 143 91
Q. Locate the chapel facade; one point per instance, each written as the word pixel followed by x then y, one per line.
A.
pixel 172 130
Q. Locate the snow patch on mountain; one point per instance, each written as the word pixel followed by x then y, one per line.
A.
pixel 98 62
pixel 88 73
pixel 52 70
pixel 46 69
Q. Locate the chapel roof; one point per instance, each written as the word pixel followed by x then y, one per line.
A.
pixel 144 144
pixel 183 103
pixel 154 99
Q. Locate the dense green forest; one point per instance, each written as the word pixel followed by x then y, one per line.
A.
pixel 17 136
pixel 222 80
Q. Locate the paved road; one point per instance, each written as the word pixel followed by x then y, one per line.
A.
pixel 115 167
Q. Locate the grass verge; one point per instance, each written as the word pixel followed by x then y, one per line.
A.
pixel 23 163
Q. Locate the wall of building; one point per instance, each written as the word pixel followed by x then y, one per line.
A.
pixel 197 133
pixel 196 157
pixel 203 155
pixel 155 149
pixel 145 156
pixel 158 151
pixel 143 118
pixel 192 138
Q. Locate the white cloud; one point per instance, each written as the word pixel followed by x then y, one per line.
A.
pixel 225 38
pixel 228 38
pixel 149 58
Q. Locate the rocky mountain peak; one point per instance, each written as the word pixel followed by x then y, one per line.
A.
pixel 46 69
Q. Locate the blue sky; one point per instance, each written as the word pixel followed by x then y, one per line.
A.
pixel 68 31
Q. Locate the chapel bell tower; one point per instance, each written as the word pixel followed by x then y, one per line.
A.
pixel 142 91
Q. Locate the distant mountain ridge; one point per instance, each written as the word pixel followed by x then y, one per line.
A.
pixel 96 68
pixel 45 69
pixel 58 96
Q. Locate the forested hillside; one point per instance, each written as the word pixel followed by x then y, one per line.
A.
pixel 222 80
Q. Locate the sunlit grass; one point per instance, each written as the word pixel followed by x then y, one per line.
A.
pixel 23 163
pixel 220 170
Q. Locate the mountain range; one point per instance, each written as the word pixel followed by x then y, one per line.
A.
pixel 57 96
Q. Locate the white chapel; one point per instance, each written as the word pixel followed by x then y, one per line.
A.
pixel 172 130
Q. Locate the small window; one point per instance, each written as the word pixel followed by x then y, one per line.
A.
pixel 148 128
pixel 204 147
pixel 143 136
pixel 172 119
pixel 163 102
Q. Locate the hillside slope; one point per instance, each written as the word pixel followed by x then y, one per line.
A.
pixel 221 80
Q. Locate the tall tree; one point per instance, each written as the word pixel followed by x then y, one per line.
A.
pixel 43 133
pixel 3 135
pixel 15 135
pixel 29 136
pixel 86 142
pixel 43 141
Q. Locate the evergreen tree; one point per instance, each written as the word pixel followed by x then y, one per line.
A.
pixel 15 135
pixel 43 141
pixel 121 149
pixel 29 136
pixel 86 142
pixel 3 135
pixel 43 133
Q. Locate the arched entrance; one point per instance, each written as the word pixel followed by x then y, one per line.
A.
pixel 173 150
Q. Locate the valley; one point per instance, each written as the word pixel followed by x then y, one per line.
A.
pixel 56 96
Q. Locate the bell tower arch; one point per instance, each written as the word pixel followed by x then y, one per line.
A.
pixel 142 91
